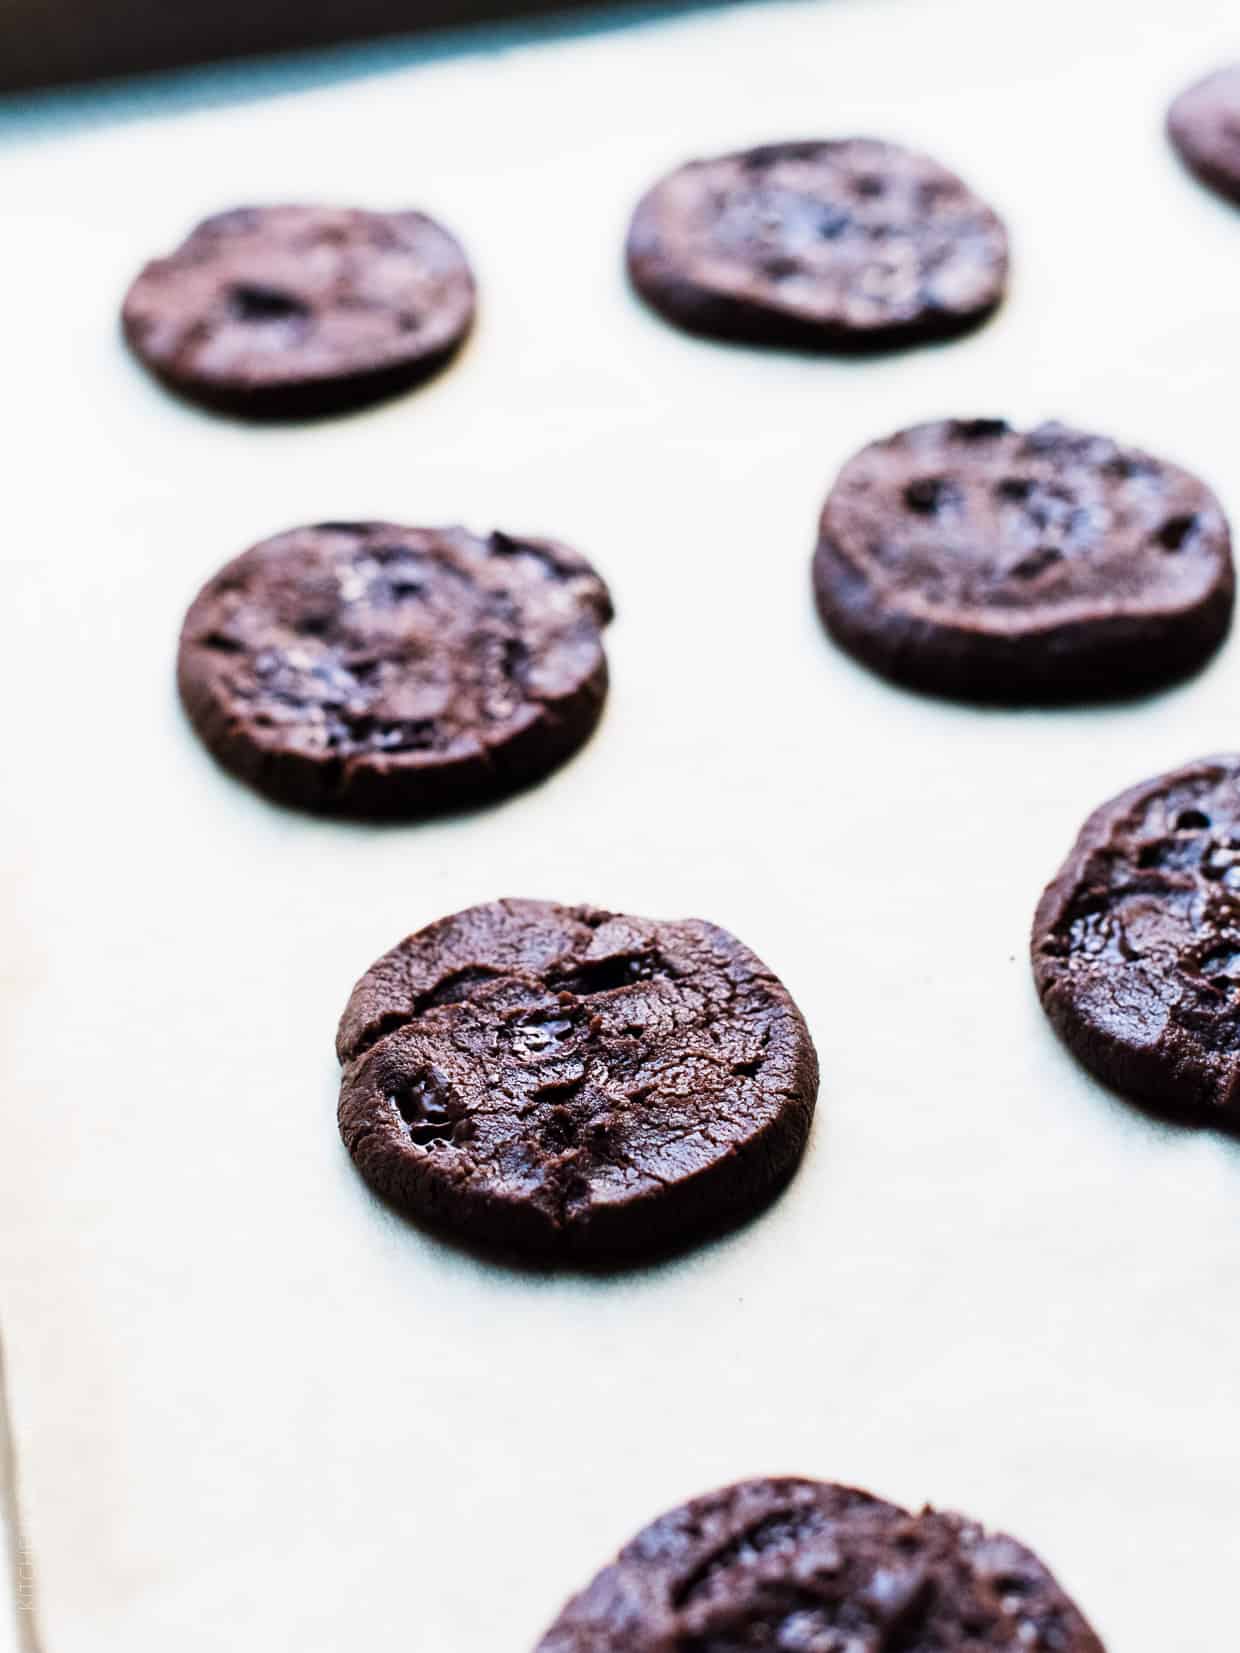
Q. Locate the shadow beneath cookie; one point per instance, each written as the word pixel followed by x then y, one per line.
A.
pixel 279 406
pixel 1112 687
pixel 1163 1113
pixel 490 792
pixel 1164 1116
pixel 710 320
pixel 601 1266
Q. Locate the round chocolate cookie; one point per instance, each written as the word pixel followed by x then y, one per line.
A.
pixel 1204 126
pixel 1136 943
pixel 844 245
pixel 796 1566
pixel 970 559
pixel 574 1082
pixel 287 312
pixel 375 670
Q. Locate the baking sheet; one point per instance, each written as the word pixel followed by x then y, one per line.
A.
pixel 254 1410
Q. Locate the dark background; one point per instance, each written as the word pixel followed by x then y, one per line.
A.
pixel 49 42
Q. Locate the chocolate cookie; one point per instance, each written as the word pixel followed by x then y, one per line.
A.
pixel 1204 125
pixel 1136 943
pixel 376 670
pixel 844 245
pixel 286 312
pixel 574 1082
pixel 808 1567
pixel 970 559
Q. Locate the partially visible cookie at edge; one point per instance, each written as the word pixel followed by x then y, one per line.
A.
pixel 967 558
pixel 801 1566
pixel 1136 943
pixel 1203 124
pixel 574 1083
pixel 290 312
pixel 371 669
pixel 839 245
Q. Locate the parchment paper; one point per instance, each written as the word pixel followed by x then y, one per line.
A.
pixel 253 1410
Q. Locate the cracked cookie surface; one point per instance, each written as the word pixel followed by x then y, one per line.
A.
pixel 1136 943
pixel 574 1082
pixel 374 669
pixel 850 244
pixel 794 1566
pixel 1204 126
pixel 292 311
pixel 967 558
